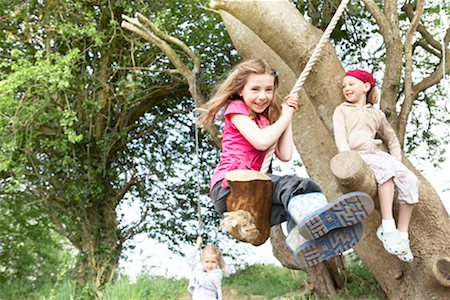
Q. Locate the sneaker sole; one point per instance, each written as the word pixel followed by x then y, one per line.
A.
pixel 336 242
pixel 344 211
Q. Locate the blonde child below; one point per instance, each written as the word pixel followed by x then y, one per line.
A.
pixel 356 123
pixel 208 268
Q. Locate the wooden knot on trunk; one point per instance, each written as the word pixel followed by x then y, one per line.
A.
pixel 248 206
pixel 353 174
pixel 441 271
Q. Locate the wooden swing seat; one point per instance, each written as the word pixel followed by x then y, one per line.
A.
pixel 248 206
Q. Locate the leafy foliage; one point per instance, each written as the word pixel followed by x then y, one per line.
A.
pixel 30 251
pixel 93 119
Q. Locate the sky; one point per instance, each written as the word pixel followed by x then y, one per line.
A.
pixel 153 258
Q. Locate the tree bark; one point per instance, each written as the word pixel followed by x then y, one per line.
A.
pixel 288 40
pixel 424 268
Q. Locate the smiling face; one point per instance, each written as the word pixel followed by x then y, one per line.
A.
pixel 258 92
pixel 354 90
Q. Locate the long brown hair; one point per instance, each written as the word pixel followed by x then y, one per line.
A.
pixel 234 83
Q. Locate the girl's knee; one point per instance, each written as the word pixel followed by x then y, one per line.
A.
pixel 220 206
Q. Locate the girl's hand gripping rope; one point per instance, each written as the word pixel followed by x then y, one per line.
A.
pixel 291 101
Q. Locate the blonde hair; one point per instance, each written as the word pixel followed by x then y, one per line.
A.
pixel 211 249
pixel 372 95
pixel 230 88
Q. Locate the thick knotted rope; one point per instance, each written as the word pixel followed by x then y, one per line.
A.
pixel 316 53
pixel 311 62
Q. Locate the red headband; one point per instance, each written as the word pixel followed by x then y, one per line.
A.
pixel 362 75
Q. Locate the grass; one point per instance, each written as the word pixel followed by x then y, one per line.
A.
pixel 152 288
pixel 266 281
pixel 360 281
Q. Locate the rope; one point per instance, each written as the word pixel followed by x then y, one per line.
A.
pixel 311 62
pixel 298 85
pixel 268 159
pixel 197 162
pixel 316 53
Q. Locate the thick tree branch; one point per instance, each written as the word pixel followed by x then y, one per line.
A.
pixel 433 46
pixel 103 97
pixel 426 46
pixel 153 97
pixel 409 95
pixel 123 190
pixel 429 38
pixel 390 31
pixel 434 77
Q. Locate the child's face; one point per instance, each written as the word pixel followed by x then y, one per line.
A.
pixel 210 262
pixel 355 90
pixel 258 92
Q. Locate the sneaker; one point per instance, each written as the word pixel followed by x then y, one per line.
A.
pixel 303 205
pixel 392 243
pixel 310 253
pixel 344 211
pixel 408 256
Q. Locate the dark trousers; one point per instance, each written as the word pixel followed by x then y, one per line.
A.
pixel 283 187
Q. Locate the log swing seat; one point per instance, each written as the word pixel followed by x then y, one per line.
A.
pixel 249 204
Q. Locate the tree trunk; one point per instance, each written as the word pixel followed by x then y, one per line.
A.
pixel 421 279
pixel 99 250
pixel 281 35
pixel 97 240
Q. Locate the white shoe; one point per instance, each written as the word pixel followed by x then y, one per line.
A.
pixel 408 257
pixel 392 243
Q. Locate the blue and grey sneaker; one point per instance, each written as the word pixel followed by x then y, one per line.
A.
pixel 312 252
pixel 347 210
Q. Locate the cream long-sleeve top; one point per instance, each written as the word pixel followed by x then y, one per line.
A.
pixel 355 128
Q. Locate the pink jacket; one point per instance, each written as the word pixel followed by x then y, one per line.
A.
pixel 355 128
pixel 237 152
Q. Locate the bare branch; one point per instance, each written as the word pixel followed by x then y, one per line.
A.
pixel 173 40
pixel 135 26
pixel 408 102
pixel 134 228
pixel 380 18
pixel 409 11
pixel 426 46
pixel 156 36
pixel 124 189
